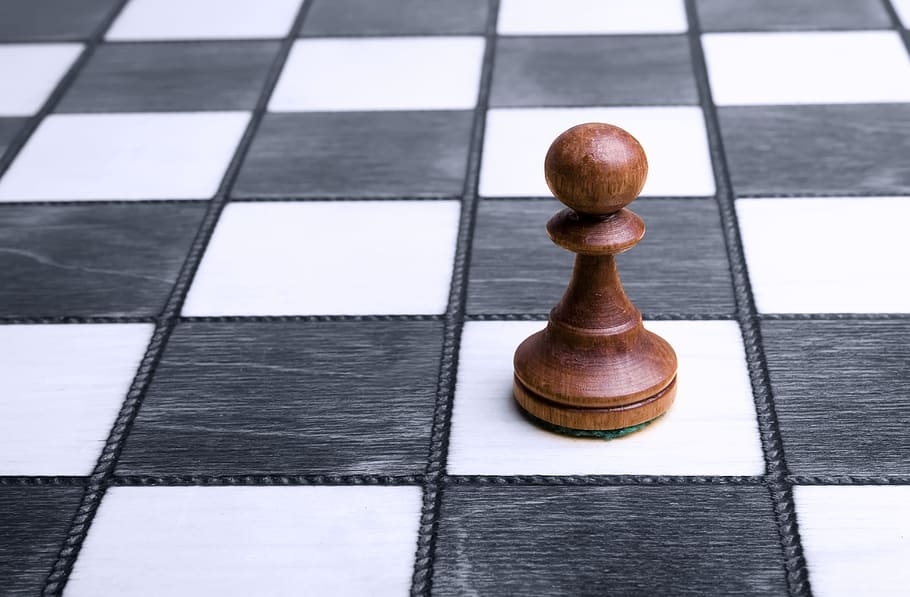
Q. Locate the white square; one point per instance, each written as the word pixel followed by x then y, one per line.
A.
pixel 204 19
pixel 832 255
pixel 61 387
pixel 674 140
pixel 30 72
pixel 125 156
pixel 856 539
pixel 591 17
pixel 250 541
pixel 902 7
pixel 380 73
pixel 807 67
pixel 711 429
pixel 328 258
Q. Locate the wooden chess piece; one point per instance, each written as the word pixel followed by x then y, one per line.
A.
pixel 595 366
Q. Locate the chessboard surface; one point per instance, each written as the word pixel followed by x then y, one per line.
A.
pixel 264 266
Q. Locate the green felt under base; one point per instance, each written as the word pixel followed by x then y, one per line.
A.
pixel 606 434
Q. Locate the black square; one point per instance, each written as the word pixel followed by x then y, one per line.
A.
pixel 784 15
pixel 358 154
pixel 329 397
pixel 817 150
pixel 679 267
pixel 52 20
pixel 92 260
pixel 34 521
pixel 629 540
pixel 593 71
pixel 395 17
pixel 159 77
pixel 9 128
pixel 842 394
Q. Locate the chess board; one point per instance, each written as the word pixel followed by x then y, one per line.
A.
pixel 264 266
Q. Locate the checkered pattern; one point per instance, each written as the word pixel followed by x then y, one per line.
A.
pixel 266 265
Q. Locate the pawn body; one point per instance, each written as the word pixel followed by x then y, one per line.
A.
pixel 595 367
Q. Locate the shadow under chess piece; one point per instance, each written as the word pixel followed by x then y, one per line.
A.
pixel 595 367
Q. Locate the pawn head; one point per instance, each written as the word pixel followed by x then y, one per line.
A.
pixel 596 168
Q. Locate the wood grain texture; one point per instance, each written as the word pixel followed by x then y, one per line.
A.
pixel 23 20
pixel 160 77
pixel 592 71
pixel 783 15
pixel 831 149
pixel 586 541
pixel 289 397
pixel 842 395
pixel 327 154
pixel 92 260
pixel 9 128
pixel 33 524
pixel 395 17
pixel 516 269
pixel 595 366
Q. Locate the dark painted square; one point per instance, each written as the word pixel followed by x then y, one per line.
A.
pixel 395 17
pixel 92 260
pixel 330 397
pixel 842 395
pixel 9 128
pixel 355 154
pixel 593 71
pixel 830 149
pixel 784 15
pixel 679 267
pixel 33 525
pixel 628 540
pixel 159 77
pixel 52 20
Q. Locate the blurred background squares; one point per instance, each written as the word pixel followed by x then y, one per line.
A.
pixel 591 17
pixel 395 17
pixel 73 157
pixel 167 77
pixel 791 15
pixel 380 73
pixel 539 71
pixel 52 20
pixel 807 67
pixel 358 154
pixel 144 20
pixel 30 73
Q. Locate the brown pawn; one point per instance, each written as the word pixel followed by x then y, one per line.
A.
pixel 595 366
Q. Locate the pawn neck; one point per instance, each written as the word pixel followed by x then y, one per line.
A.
pixel 595 300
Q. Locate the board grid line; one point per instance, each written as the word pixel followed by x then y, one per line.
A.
pixel 776 472
pixel 99 481
pixel 422 580
pixel 539 316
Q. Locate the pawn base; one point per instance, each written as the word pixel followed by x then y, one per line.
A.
pixel 594 419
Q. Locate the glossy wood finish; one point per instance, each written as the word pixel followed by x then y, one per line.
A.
pixel 595 366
